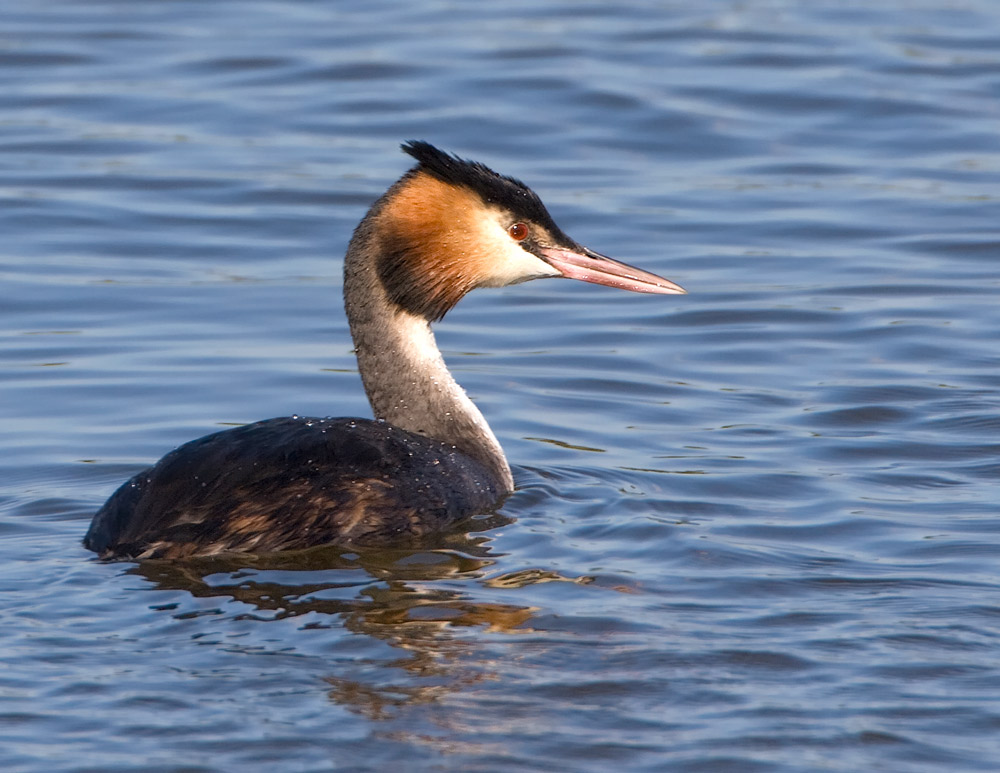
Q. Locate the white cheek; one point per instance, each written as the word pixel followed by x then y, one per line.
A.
pixel 511 263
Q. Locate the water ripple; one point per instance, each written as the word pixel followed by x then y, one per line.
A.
pixel 756 526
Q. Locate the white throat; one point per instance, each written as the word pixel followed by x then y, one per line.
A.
pixel 406 379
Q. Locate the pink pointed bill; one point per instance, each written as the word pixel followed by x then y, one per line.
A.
pixel 590 266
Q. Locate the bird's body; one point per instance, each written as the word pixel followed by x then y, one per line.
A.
pixel 429 459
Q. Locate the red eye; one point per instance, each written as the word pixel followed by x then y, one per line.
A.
pixel 518 232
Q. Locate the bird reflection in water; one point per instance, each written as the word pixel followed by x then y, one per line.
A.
pixel 394 596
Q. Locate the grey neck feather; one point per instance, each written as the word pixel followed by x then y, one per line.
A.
pixel 404 374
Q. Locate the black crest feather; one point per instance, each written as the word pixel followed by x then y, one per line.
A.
pixel 493 188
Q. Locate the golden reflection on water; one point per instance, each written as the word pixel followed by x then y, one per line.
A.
pixel 392 596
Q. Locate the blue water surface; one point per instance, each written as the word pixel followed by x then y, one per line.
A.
pixel 757 526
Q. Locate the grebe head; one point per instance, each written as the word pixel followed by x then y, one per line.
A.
pixel 451 225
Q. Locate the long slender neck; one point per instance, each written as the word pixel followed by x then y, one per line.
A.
pixel 404 374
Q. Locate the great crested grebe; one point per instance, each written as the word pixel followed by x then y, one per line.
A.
pixel 428 459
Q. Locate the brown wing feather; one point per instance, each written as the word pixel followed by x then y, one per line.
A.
pixel 295 483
